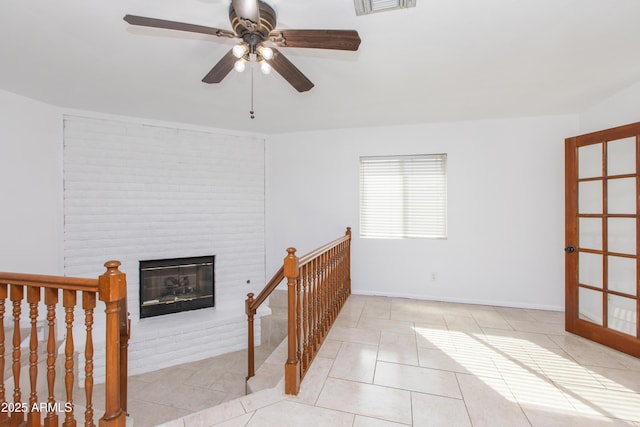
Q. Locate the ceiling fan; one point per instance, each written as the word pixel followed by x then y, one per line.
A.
pixel 254 22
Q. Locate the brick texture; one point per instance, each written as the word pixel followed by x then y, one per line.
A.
pixel 139 192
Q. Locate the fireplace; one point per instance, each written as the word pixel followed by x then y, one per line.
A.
pixel 177 284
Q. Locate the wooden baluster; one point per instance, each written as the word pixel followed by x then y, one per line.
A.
pixel 17 293
pixel 88 304
pixel 250 344
pixel 69 303
pixel 292 367
pixel 312 337
pixel 332 281
pixel 330 287
pixel 325 292
pixel 320 297
pixel 33 298
pixel 320 312
pixel 339 275
pixel 314 285
pixel 311 341
pixel 310 346
pixel 348 261
pixel 305 318
pixel 299 342
pixel 4 416
pixel 327 286
pixel 50 300
pixel 347 272
pixel 125 334
pixel 329 290
pixel 340 278
pixel 113 289
pixel 343 276
pixel 336 280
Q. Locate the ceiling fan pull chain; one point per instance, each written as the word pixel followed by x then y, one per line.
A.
pixel 251 114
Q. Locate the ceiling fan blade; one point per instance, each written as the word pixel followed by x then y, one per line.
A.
pixel 248 13
pixel 318 39
pixel 180 26
pixel 221 69
pixel 290 72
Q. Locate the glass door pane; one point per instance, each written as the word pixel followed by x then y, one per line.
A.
pixel 621 314
pixel 621 274
pixel 621 196
pixel 590 269
pixel 622 235
pixel 590 161
pixel 590 305
pixel 590 236
pixel 590 197
pixel 621 156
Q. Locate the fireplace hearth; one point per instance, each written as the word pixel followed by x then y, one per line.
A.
pixel 175 285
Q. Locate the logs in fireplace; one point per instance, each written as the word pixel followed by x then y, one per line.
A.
pixel 177 284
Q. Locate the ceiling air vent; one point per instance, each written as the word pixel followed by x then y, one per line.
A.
pixel 365 7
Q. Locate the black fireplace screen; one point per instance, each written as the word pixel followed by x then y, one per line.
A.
pixel 178 284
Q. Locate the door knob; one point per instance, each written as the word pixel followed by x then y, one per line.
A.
pixel 570 249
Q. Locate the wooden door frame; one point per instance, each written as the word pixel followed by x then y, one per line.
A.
pixel 573 324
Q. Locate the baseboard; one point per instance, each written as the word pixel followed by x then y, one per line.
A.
pixel 517 304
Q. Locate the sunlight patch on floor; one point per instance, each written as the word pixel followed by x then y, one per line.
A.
pixel 553 382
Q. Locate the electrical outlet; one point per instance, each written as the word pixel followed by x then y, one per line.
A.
pixel 434 276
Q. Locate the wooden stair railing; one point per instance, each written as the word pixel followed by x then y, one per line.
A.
pixel 318 284
pixel 110 288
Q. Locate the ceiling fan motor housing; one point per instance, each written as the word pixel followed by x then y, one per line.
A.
pixel 267 23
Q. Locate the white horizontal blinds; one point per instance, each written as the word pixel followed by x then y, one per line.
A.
pixel 403 196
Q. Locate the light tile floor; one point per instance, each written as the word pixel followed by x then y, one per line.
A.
pixel 398 362
pixel 174 392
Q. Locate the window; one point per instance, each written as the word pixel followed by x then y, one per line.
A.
pixel 403 196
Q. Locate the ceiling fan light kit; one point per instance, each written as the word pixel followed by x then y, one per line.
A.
pixel 366 7
pixel 254 23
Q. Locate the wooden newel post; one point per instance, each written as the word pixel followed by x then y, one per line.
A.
pixel 250 350
pixel 112 288
pixel 292 367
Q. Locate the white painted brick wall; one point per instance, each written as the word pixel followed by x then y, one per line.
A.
pixel 138 192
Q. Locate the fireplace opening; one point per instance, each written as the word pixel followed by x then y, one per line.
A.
pixel 177 284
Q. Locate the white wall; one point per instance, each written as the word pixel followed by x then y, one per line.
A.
pixel 620 109
pixel 30 186
pixel 505 208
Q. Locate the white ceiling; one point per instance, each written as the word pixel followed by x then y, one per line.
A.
pixel 442 60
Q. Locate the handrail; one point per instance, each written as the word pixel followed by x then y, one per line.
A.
pixel 43 281
pixel 331 283
pixel 251 307
pixel 110 288
pixel 305 259
pixel 270 287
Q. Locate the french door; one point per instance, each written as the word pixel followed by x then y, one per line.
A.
pixel 602 262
